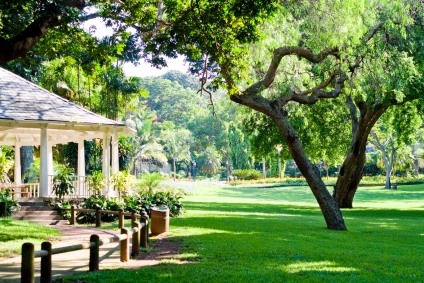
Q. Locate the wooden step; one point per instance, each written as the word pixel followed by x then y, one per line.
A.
pixel 40 213
pixel 36 208
pixel 39 217
pixel 49 222
pixel 30 199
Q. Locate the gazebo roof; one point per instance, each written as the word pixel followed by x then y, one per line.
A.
pixel 26 107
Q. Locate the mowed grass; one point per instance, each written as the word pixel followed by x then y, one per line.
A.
pixel 232 234
pixel 13 233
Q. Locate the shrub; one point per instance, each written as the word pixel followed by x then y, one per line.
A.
pixel 105 204
pixel 122 182
pixel 11 205
pixel 96 182
pixel 150 181
pixel 63 181
pixel 247 174
pixel 59 206
pixel 165 196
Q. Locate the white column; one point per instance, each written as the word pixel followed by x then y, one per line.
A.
pixel 50 168
pixel 106 161
pixel 44 180
pixel 115 154
pixel 81 166
pixel 18 173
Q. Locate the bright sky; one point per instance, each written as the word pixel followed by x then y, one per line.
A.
pixel 143 69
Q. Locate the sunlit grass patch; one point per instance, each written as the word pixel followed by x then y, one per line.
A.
pixel 268 235
pixel 13 233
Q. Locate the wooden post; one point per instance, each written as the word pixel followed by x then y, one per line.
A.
pixel 121 218
pixel 98 216
pixel 125 245
pixel 73 219
pixel 27 264
pixel 133 218
pixel 94 254
pixel 144 234
pixel 136 239
pixel 46 263
pixel 3 209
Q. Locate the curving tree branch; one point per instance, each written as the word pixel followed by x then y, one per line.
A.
pixel 20 44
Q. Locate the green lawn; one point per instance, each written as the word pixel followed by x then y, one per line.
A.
pixel 13 233
pixel 232 234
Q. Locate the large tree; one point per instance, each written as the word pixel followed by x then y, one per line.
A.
pixel 312 50
pixel 320 50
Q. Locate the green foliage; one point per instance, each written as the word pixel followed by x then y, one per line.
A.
pixel 247 174
pixel 96 182
pixel 169 197
pixel 239 147
pixel 6 164
pixel 150 182
pixel 98 201
pixel 11 205
pixel 32 174
pixel 63 181
pixel 124 151
pixel 122 181
pixel 60 206
pixel 209 160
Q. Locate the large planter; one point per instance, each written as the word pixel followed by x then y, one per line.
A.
pixel 159 219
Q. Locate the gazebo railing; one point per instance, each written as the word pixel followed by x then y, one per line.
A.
pixel 33 189
pixel 81 188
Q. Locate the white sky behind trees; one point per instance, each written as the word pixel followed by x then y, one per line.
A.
pixel 143 69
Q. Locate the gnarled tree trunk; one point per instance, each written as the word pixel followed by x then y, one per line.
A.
pixel 329 208
pixel 353 166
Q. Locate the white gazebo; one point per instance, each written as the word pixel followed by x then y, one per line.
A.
pixel 33 116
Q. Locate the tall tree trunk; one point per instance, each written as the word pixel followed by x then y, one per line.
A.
pixel 388 173
pixel 27 160
pixel 175 169
pixel 135 167
pixel 329 208
pixel 353 166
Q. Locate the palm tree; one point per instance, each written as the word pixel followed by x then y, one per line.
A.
pixel 210 160
pixel 177 145
pixel 144 144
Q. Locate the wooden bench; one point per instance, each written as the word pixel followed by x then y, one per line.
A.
pixel 23 189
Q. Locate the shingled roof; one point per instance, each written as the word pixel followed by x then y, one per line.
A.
pixel 26 105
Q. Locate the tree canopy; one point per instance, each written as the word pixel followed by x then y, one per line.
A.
pixel 324 72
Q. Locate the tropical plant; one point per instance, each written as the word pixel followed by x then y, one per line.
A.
pixel 177 145
pixel 122 182
pixel 150 182
pixel 166 196
pixel 32 174
pixel 210 160
pixel 96 182
pixel 144 145
pixel 63 181
pixel 6 164
pixel 247 174
pixel 94 202
pixel 11 205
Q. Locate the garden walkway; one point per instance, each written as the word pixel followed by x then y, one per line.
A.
pixel 67 263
